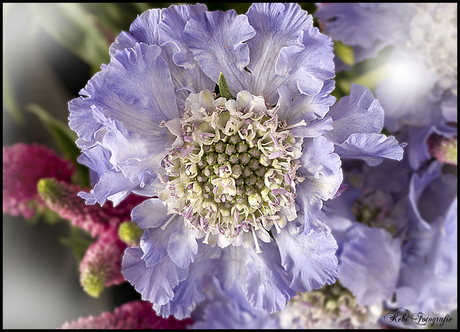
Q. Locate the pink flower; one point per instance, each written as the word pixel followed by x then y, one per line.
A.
pixel 131 315
pixel 62 198
pixel 101 265
pixel 442 148
pixel 23 166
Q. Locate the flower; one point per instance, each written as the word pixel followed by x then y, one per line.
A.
pixel 61 197
pixel 237 179
pixel 397 239
pixel 101 264
pixel 367 27
pixel 229 310
pixel 419 87
pixel 443 149
pixel 23 166
pixel 131 315
pixel 332 307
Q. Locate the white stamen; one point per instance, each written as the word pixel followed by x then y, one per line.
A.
pixel 205 241
pixel 258 251
pixel 279 191
pixel 168 221
pixel 287 179
pixel 274 140
pixel 278 230
pixel 187 151
pixel 301 123
pixel 276 154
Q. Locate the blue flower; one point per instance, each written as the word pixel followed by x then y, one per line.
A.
pixel 237 180
pixel 428 275
pixel 229 309
pixel 419 89
pixel 397 239
pixel 367 27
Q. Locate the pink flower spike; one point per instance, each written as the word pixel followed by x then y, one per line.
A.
pixel 62 198
pixel 23 166
pixel 131 315
pixel 101 265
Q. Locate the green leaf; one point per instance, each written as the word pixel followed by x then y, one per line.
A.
pixel 10 103
pixel 223 88
pixel 65 138
pixel 369 79
pixel 344 53
pixel 75 28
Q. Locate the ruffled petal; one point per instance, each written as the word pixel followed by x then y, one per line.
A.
pixel 145 26
pixel 266 286
pixel 277 25
pixel 81 115
pixel 154 243
pixel 318 157
pixel 182 246
pixel 232 267
pixel 96 159
pixel 371 148
pixel 155 283
pixel 229 310
pixel 305 68
pixel 150 213
pixel 369 264
pixel 428 278
pixel 135 154
pixel 186 73
pixel 189 292
pixel 359 112
pixel 172 25
pixel 313 129
pixel 305 107
pixel 141 91
pixel 310 196
pixel 225 50
pixel 309 258
pixel 111 185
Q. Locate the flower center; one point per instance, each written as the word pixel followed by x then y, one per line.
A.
pixel 374 208
pixel 234 173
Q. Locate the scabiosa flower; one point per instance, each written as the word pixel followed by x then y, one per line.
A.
pixel 332 307
pixel 419 91
pixel 238 179
pixel 229 309
pixel 366 27
pixel 397 239
pixel 23 166
pixel 131 315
